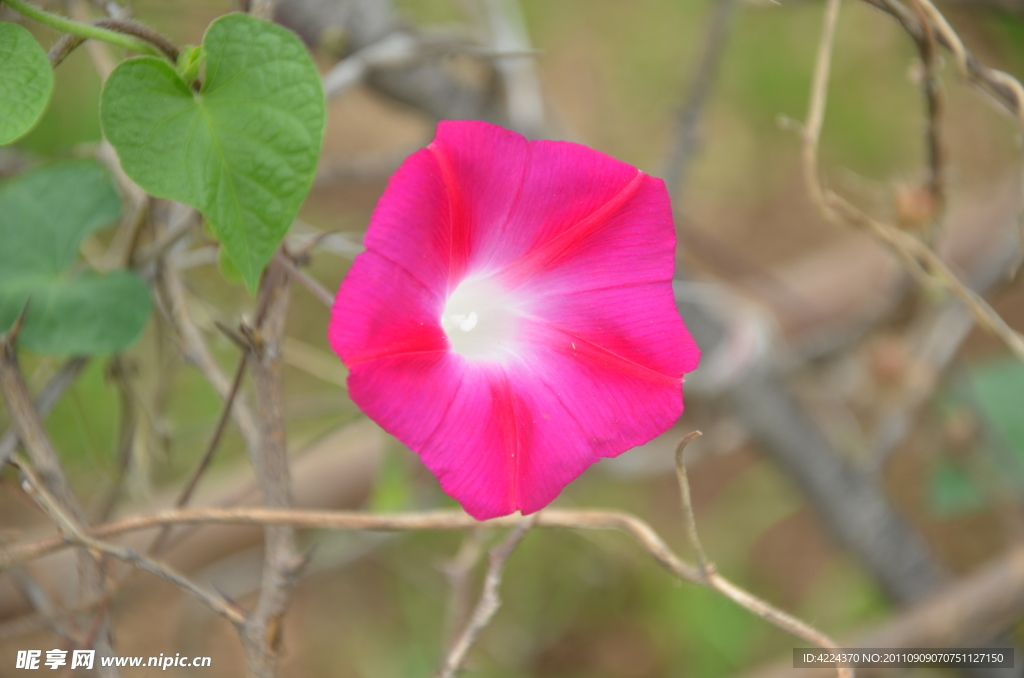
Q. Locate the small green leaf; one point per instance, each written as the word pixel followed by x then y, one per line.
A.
pixel 26 82
pixel 951 492
pixel 46 214
pixel 999 388
pixel 243 150
pixel 189 61
pixel 83 315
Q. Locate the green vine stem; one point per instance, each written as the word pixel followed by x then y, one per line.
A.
pixel 69 43
pixel 87 31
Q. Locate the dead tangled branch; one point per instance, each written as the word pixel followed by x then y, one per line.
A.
pixel 74 534
pixel 927 266
pixel 1002 86
pixel 489 599
pixel 713 580
pixel 261 632
pixel 29 427
pixel 642 532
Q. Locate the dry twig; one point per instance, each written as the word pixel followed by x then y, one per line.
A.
pixel 1004 87
pixel 489 602
pixel 304 279
pixel 706 565
pixel 204 461
pixel 264 9
pixel 457 571
pixel 709 575
pixel 687 138
pixel 29 427
pixel 196 351
pixel 643 533
pixel 45 401
pixel 920 259
pixel 75 534
pixel 931 85
pixel 261 634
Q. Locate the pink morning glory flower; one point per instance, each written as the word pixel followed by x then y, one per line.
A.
pixel 512 318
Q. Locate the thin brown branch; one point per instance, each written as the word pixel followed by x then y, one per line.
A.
pixel 45 401
pixel 490 599
pixel 931 86
pixel 930 269
pixel 196 351
pixel 175 231
pixel 63 48
pixel 687 135
pixel 132 27
pixel 315 288
pixel 356 520
pixel 119 372
pixel 819 95
pixel 218 433
pixel 29 425
pixel 73 532
pixel 69 42
pixel 261 634
pixel 353 520
pixel 643 533
pixel 161 541
pixel 122 247
pixel 458 572
pixel 30 428
pixel 710 577
pixel 706 565
pixel 1005 88
pixel 204 461
pixel 264 9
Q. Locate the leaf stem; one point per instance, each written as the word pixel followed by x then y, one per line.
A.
pixel 87 31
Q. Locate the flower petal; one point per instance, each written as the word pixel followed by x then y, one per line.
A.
pixel 519 196
pixel 552 265
pixel 511 436
pixel 581 403
pixel 382 310
pixel 639 322
pixel 483 167
pixel 460 418
pixel 631 244
pixel 411 225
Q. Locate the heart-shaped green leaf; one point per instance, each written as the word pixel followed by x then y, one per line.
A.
pixel 44 215
pixel 26 81
pixel 242 150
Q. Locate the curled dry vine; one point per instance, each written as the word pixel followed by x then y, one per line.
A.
pixel 641 532
pixel 927 266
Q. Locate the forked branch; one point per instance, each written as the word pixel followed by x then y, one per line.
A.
pixel 920 259
pixel 642 532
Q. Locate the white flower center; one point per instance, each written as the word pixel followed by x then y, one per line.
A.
pixel 479 320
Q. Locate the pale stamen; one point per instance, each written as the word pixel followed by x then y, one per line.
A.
pixel 479 320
